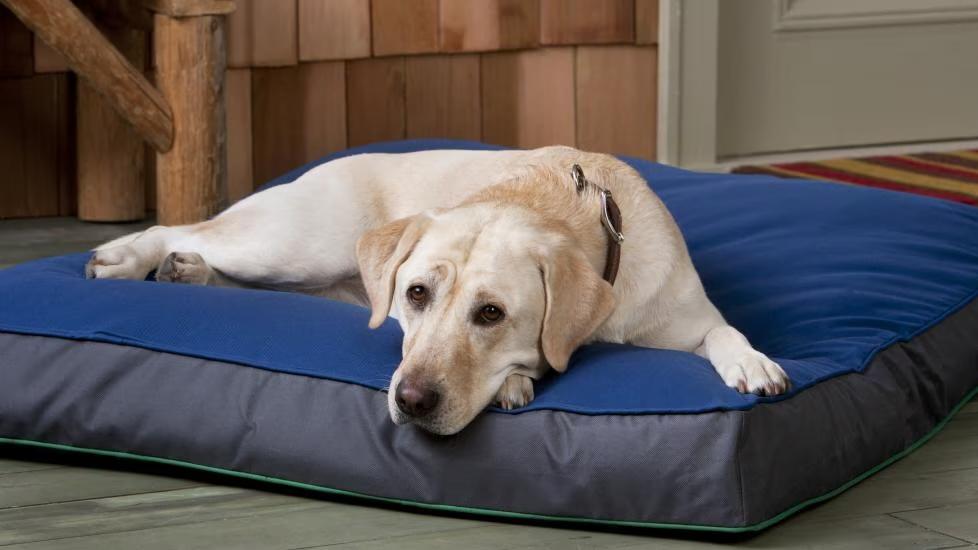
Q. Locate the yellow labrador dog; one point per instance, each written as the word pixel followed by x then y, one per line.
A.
pixel 496 264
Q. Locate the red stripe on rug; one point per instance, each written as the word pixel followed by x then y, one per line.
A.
pixel 823 172
pixel 926 168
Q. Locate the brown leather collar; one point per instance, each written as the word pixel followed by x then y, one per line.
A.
pixel 610 218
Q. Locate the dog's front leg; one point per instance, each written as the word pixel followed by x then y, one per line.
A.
pixel 740 365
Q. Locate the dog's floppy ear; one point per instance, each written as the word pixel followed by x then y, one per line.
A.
pixel 380 252
pixel 578 300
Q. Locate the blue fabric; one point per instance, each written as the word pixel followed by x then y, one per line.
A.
pixel 819 276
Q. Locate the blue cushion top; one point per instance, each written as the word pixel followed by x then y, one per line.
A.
pixel 819 276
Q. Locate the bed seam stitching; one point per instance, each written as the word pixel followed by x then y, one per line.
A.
pixel 740 467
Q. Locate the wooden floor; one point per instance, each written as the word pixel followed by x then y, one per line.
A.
pixel 928 500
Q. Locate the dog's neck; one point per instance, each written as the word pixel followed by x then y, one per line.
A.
pixel 559 206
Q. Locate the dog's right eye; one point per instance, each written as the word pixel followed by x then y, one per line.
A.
pixel 418 295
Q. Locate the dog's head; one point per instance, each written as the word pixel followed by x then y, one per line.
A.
pixel 481 291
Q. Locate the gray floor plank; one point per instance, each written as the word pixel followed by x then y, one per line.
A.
pixel 17 466
pixel 955 448
pixel 23 240
pixel 882 532
pixel 870 532
pixel 960 521
pixel 506 536
pixel 67 484
pixel 896 491
pixel 856 533
pixel 140 511
pixel 315 523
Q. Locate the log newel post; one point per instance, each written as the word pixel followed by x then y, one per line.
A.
pixel 190 57
pixel 184 120
pixel 90 55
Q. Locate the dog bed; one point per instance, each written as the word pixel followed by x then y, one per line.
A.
pixel 865 297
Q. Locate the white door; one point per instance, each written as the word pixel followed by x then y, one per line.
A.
pixel 753 77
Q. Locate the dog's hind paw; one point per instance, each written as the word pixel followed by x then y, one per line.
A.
pixel 516 392
pixel 183 267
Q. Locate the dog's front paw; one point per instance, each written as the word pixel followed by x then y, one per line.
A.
pixel 121 262
pixel 753 372
pixel 516 392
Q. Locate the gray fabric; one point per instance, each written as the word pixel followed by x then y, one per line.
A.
pixel 721 469
pixel 816 441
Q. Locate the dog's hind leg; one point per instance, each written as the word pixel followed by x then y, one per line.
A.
pixel 286 238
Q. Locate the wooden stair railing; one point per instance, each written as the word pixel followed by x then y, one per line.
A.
pixel 184 120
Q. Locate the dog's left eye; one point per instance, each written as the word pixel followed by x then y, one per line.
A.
pixel 489 314
pixel 418 295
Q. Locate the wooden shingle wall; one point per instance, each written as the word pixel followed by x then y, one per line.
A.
pixel 310 77
pixel 524 73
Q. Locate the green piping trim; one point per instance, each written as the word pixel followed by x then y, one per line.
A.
pixel 516 515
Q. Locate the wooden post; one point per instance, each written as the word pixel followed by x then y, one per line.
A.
pixel 111 156
pixel 189 46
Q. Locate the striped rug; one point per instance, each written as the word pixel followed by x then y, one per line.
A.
pixel 951 176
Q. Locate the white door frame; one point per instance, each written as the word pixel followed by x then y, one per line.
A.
pixel 687 104
pixel 688 41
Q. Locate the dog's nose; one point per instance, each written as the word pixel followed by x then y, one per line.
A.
pixel 415 400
